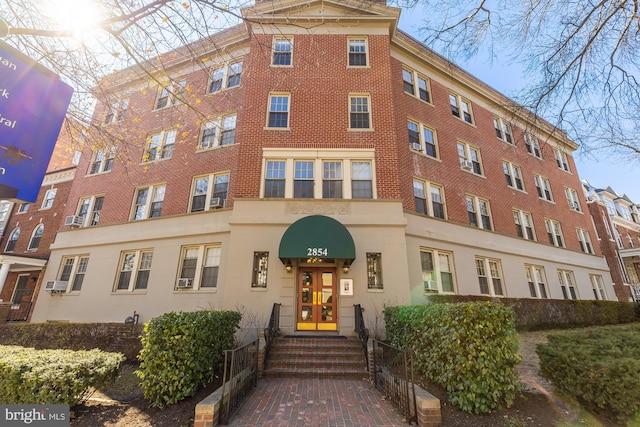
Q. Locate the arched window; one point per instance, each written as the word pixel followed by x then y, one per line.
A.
pixel 35 237
pixel 13 238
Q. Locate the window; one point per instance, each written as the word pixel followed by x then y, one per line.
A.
pixel 23 207
pixel 489 276
pixel 415 84
pixel 303 179
pixel 437 271
pixel 225 77
pixel 469 157
pixel 218 132
pixel 199 267
pixel 73 269
pixel 148 202
pixel 332 180
pixel 513 175
pixel 160 146
pixel 205 197
pixel 49 196
pixel 429 198
pixel 89 210
pixel 524 224
pixel 13 239
pixel 4 210
pixel 461 108
pixel 171 94
pixel 76 157
pixel 533 147
pixel 478 212
pixel 116 112
pixel 282 50
pixel 598 286
pixel 134 270
pixel 374 270
pixel 422 138
pixel 274 179
pixel 567 284
pixel 278 111
pixel 359 115
pixel 561 159
pixel 503 130
pixel 543 187
pixel 624 211
pixel 361 183
pixel 357 52
pixel 34 243
pixel 537 281
pixel 260 265
pixel 611 208
pixel 572 199
pixel 585 241
pixel 102 160
pixel 554 232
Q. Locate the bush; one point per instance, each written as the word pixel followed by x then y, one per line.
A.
pixel 470 349
pixel 182 351
pixel 54 376
pixel 598 367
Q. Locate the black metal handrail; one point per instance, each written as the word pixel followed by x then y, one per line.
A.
pixel 240 378
pixel 19 312
pixel 393 377
pixel 363 332
pixel 273 329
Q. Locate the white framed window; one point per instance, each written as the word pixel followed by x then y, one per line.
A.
pixel 199 267
pixel 89 209
pixel 361 180
pixel 282 51
pixel 171 94
pixel 461 107
pixel 4 210
pixel 357 51
pixel 567 284
pixel 160 146
pixel 116 112
pixel 572 199
pixel 422 138
pixel 374 270
pixel 618 238
pixel 76 157
pixel 429 198
pixel 503 130
pixel 218 132
pixel 303 179
pixel 624 211
pixel 478 212
pixel 533 147
pixel 416 84
pixel 134 270
pixel 260 269
pixel 13 239
pixel 225 76
pixel 278 115
pixel 607 227
pixel 469 157
pixel 513 175
pixel 359 111
pixel 49 197
pixel 537 281
pixel 489 273
pixel 36 236
pixel 72 270
pixel 437 271
pixel 147 202
pixel 543 187
pixel 524 224
pixel 102 160
pixel 23 208
pixel 209 192
pixel 554 232
pixel 332 179
pixel 585 241
pixel 561 159
pixel 275 179
pixel 597 284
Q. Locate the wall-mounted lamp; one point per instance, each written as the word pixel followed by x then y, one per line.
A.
pixel 346 267
pixel 289 267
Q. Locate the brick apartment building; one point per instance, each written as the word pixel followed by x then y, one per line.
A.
pixel 318 157
pixel 617 223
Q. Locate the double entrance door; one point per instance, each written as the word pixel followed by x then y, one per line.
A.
pixel 317 299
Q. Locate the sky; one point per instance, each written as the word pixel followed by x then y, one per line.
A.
pixel 621 176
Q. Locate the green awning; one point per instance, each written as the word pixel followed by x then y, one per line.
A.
pixel 317 236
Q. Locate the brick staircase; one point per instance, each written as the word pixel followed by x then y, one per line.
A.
pixel 317 357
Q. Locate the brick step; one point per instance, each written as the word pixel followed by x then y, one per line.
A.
pixel 319 373
pixel 315 363
pixel 309 357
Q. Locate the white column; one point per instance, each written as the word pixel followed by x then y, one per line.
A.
pixel 4 272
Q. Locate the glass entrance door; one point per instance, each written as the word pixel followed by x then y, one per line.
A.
pixel 317 308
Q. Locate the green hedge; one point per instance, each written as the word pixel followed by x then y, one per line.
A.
pixel 182 351
pixel 599 367
pixel 54 376
pixel 470 349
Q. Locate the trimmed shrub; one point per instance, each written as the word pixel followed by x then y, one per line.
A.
pixel 599 367
pixel 182 351
pixel 469 349
pixel 54 376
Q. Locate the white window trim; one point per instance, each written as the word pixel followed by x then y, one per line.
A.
pixel 429 199
pixel 416 87
pixel 530 273
pixel 137 260
pixel 597 284
pixel 422 141
pixel 544 184
pixel 585 241
pixel 211 183
pixel 460 101
pixel 572 199
pixel 562 160
pixel 161 154
pixel 552 226
pixel 174 91
pixel 504 130
pixel 366 51
pixel 87 219
pixel 435 257
pixel 467 158
pixel 49 197
pixel 102 155
pixel 33 236
pixel 115 112
pixel 564 278
pixel 476 205
pixel 514 170
pixel 278 95
pixel 74 270
pixel 218 123
pixel 199 268
pixel 489 275
pixel 369 112
pixel 226 72
pixel 273 51
pixel 532 144
pixel 150 200
pixel 521 217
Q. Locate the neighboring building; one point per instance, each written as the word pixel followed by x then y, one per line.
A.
pixel 617 222
pixel 325 159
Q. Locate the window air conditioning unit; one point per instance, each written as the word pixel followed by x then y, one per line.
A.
pixel 56 286
pixel 184 283
pixel 467 165
pixel 216 202
pixel 576 206
pixel 431 285
pixel 416 146
pixel 73 221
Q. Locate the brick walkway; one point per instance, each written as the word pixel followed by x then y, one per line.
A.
pixel 316 402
